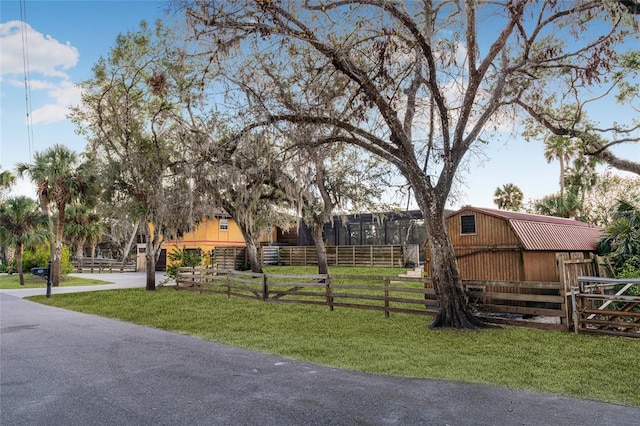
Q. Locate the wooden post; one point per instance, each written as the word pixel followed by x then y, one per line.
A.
pixel 574 308
pixel 386 284
pixel 564 288
pixel 228 285
pixel 265 288
pixel 392 263
pixel 328 293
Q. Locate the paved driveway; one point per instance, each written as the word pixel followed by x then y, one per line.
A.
pixel 60 367
pixel 117 280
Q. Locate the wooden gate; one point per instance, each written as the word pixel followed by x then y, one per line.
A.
pixel 606 306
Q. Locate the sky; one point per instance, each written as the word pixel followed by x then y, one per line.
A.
pixel 66 38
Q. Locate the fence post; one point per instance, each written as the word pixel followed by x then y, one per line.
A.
pixel 265 288
pixel 329 292
pixel 564 288
pixel 574 307
pixel 228 285
pixel 386 284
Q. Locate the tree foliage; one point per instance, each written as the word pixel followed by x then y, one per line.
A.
pixel 249 183
pixel 61 179
pixel 22 224
pixel 81 226
pixel 621 240
pixel 130 113
pixel 509 197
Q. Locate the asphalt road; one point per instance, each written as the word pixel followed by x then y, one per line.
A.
pixel 59 367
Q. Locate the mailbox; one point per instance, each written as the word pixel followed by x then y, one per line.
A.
pixel 41 272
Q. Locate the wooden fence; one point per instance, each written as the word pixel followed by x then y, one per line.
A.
pixel 386 256
pixel 606 306
pixel 494 301
pixel 100 265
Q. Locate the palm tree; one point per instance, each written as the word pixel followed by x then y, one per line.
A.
pixel 81 225
pixel 94 233
pixel 621 239
pixel 562 149
pixel 581 177
pixel 60 180
pixel 22 224
pixel 559 205
pixel 7 179
pixel 509 197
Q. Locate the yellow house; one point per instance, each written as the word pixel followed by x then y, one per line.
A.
pixel 217 231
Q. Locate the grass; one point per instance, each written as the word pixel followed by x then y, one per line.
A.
pixel 591 367
pixel 32 281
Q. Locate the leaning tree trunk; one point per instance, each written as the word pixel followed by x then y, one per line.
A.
pixel 321 250
pixel 127 249
pixel 454 311
pixel 252 253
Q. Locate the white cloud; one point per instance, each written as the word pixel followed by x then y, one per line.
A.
pixel 47 56
pixel 65 94
pixel 24 187
pixel 48 59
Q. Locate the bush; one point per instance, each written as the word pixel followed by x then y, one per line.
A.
pixel 630 268
pixel 183 258
pixel 40 255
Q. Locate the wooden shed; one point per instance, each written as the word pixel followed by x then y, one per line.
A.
pixel 500 245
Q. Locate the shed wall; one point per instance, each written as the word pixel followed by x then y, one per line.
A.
pixel 540 266
pixel 490 231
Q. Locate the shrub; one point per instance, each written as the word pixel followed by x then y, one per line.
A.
pixel 39 257
pixel 183 258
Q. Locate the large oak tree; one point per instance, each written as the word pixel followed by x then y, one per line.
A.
pixel 421 82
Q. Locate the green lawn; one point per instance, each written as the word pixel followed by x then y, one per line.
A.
pixel 592 367
pixel 33 281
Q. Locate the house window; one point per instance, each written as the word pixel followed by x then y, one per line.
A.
pixel 224 224
pixel 468 224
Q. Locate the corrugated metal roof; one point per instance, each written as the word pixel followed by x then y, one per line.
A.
pixel 553 236
pixel 509 215
pixel 538 232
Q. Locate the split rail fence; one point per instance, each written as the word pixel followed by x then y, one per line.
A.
pixel 494 301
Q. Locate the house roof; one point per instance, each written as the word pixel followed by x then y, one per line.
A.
pixel 538 232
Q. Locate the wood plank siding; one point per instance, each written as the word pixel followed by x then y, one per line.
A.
pixel 491 248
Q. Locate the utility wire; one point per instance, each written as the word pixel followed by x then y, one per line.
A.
pixel 27 84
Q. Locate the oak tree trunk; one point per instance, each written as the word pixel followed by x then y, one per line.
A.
pixel 454 310
pixel 321 250
pixel 252 254
pixel 150 257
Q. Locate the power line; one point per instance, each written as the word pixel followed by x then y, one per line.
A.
pixel 27 84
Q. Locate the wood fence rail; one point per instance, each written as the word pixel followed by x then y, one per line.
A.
pixel 102 265
pixel 386 256
pixel 606 306
pixel 494 301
